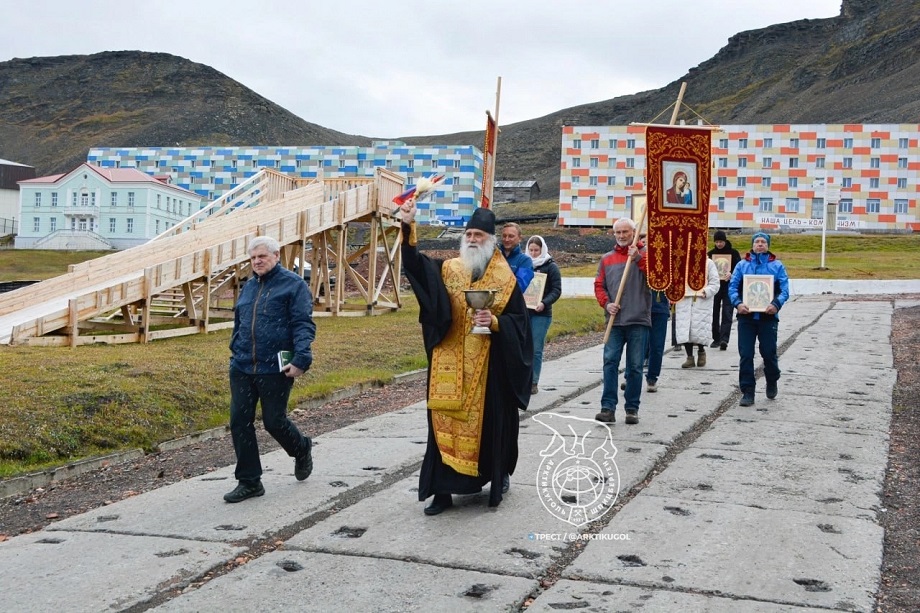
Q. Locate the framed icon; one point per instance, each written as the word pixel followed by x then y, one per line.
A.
pixel 757 292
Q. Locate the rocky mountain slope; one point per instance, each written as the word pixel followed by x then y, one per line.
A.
pixel 861 66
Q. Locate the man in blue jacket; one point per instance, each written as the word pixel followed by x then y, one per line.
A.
pixel 760 325
pixel 520 263
pixel 274 314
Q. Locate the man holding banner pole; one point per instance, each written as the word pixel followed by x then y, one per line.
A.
pixel 621 289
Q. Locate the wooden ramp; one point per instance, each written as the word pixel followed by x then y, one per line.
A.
pixel 186 280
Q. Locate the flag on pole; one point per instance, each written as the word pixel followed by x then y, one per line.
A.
pixel 488 161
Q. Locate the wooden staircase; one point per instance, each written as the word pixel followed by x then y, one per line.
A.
pixel 187 280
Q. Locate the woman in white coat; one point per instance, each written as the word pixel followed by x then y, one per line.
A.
pixel 693 317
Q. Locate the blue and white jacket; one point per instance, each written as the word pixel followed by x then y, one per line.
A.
pixel 759 264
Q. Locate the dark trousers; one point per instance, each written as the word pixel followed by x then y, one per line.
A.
pixel 763 330
pixel 722 313
pixel 273 391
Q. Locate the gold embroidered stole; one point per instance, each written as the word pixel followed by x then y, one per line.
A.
pixel 460 364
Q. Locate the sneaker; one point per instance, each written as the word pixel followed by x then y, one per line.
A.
pixel 651 386
pixel 714 344
pixel 723 346
pixel 606 416
pixel 244 491
pixel 534 388
pixel 303 465
pixel 772 390
pixel 747 399
pixel 632 417
pixel 701 358
pixel 688 363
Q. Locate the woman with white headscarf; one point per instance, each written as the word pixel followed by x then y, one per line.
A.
pixel 541 314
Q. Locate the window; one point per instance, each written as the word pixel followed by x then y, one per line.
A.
pixel 630 181
pixel 902 182
pixel 768 162
pixel 84 199
pixel 767 182
pixel 902 163
pixel 36 224
pixel 848 143
pixel 817 208
pixel 739 203
pixel 848 162
pixel 723 162
pixel 793 181
pixel 158 200
pixel 53 198
pixel 111 225
pixel 819 162
pixel 766 205
pixel 612 143
pixel 847 182
pixel 873 205
pixel 721 203
pixel 576 144
pixel 611 162
pixel 157 226
pixel 73 200
pixel 38 200
pixel 767 143
pixel 595 143
pixel 113 199
pixel 900 205
pixel 53 221
pixel 903 143
pixel 723 143
pixel 591 202
pixel 742 162
pixel 630 143
pixel 793 162
pixel 875 143
pixel 576 162
pixel 722 182
pixel 130 225
pixel 742 181
pixel 455 197
pixel 845 206
pixel 792 205
pixel 130 198
pixel 822 143
pixel 794 143
pixel 609 202
pixel 576 180
pixel 630 162
pixel 457 164
pixel 388 164
pixel 592 181
pixel 611 181
pixel 574 202
pixel 593 162
pixel 742 143
pixel 873 183
pixel 874 163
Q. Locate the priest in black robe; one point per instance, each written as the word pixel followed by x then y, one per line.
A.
pixel 476 382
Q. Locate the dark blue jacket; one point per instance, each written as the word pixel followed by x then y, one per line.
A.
pixel 759 264
pixel 660 303
pixel 274 313
pixel 521 265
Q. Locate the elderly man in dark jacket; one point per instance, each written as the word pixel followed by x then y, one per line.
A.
pixel 273 331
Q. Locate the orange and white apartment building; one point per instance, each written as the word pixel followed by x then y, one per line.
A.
pixel 861 176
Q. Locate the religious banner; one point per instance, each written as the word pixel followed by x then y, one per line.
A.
pixel 679 168
pixel 488 161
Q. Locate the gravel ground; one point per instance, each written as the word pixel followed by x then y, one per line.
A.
pixel 900 516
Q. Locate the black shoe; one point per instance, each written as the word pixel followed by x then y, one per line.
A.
pixel 506 484
pixel 771 390
pixel 303 465
pixel 632 417
pixel 723 346
pixel 747 399
pixel 714 344
pixel 244 491
pixel 606 416
pixel 440 503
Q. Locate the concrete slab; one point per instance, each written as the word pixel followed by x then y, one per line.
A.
pixel 79 571
pixel 767 481
pixel 411 422
pixel 849 413
pixel 785 557
pixel 390 524
pixel 588 596
pixel 301 581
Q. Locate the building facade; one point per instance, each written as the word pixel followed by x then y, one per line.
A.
pixel 99 208
pixel 861 176
pixel 11 173
pixel 212 171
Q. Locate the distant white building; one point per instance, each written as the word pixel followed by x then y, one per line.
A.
pixel 10 175
pixel 99 208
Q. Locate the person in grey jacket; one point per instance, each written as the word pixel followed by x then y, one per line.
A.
pixel 274 314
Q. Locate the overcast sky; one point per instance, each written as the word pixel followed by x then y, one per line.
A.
pixel 408 67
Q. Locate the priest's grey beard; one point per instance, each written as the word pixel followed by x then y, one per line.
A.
pixel 476 257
